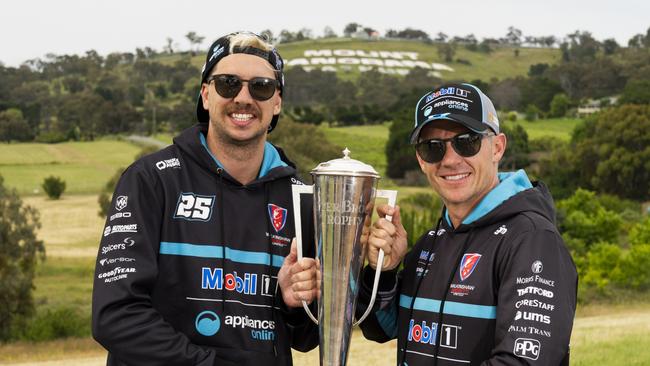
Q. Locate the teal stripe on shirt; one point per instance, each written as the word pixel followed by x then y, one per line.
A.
pixel 451 307
pixel 215 251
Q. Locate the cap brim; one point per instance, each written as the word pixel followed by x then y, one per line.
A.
pixel 468 122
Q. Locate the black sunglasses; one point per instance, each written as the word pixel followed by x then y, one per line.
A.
pixel 465 144
pixel 228 86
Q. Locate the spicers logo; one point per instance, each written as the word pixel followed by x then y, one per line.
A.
pixel 468 264
pixel 278 216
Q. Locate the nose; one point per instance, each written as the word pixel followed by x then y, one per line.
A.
pixel 244 95
pixel 450 157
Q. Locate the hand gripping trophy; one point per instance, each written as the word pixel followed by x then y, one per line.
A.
pixel 344 194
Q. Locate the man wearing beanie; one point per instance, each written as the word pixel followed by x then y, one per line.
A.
pixel 196 253
pixel 492 283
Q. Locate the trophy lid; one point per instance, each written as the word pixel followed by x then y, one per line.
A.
pixel 345 166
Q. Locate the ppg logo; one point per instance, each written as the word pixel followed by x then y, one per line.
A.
pixel 527 348
pixel 422 333
pixel 207 323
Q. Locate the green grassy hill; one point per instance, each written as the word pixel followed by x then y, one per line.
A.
pixel 85 166
pixel 501 63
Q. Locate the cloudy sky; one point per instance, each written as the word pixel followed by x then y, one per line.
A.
pixel 33 28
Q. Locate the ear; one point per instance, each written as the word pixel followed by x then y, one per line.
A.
pixel 205 92
pixel 277 106
pixel 499 143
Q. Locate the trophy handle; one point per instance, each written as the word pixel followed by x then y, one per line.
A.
pixel 296 190
pixel 392 197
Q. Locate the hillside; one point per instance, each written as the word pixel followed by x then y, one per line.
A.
pixel 501 63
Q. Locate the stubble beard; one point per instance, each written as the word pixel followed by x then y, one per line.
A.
pixel 234 146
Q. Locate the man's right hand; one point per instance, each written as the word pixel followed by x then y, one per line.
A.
pixel 299 279
pixel 389 236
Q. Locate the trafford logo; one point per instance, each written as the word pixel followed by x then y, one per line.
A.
pixel 278 216
pixel 468 264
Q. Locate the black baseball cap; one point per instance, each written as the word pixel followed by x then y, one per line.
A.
pixel 462 103
pixel 220 49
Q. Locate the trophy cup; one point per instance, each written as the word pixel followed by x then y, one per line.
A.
pixel 344 193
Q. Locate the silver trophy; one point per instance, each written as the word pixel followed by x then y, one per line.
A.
pixel 344 194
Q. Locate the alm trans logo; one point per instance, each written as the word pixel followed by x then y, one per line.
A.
pixel 207 323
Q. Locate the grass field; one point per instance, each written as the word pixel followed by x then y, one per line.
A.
pixel 85 166
pixel 560 128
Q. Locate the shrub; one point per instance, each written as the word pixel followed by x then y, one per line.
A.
pixel 420 213
pixel 53 187
pixel 51 137
pixel 55 324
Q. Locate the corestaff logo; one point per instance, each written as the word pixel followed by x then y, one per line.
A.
pixel 278 216
pixel 468 264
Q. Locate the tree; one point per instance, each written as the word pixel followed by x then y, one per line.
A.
pixel 446 51
pixel 195 41
pixel 400 155
pixel 350 28
pixel 516 155
pixel 611 152
pixel 328 32
pixel 169 45
pixel 559 105
pixel 514 36
pixel 14 127
pixel 610 46
pixel 636 92
pixel 19 253
pixel 583 217
pixel 441 37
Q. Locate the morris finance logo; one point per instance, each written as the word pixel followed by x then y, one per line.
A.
pixel 537 267
pixel 527 348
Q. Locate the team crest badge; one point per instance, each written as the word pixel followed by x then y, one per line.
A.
pixel 278 216
pixel 121 202
pixel 468 264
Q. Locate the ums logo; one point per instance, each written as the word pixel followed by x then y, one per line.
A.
pixel 207 323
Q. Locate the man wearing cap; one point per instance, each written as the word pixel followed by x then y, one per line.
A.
pixel 197 240
pixel 491 283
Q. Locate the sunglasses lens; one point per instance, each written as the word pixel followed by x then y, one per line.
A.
pixel 262 88
pixel 467 145
pixel 227 85
pixel 431 151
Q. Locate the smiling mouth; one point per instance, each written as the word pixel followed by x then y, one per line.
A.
pixel 242 117
pixel 455 177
